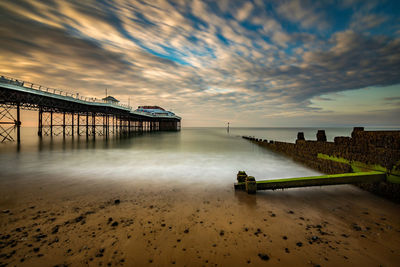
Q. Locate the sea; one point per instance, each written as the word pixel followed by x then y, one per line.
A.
pixel 191 156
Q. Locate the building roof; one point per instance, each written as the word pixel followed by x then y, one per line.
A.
pixel 155 110
pixel 110 99
pixel 150 107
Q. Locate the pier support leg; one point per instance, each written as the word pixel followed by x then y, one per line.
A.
pixel 104 125
pixel 40 123
pixel 87 125
pixel 107 125
pixel 72 124
pixel 51 123
pixel 63 124
pixel 94 125
pixel 77 125
pixel 18 124
pixel 120 125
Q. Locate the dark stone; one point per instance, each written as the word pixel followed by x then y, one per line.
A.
pixel 114 224
pixel 284 237
pixel 221 233
pixel 36 249
pixel 54 230
pixel 356 227
pixel 299 244
pixel 186 231
pixel 117 201
pixel 78 219
pixel 263 256
pixel 40 236
pixel 100 253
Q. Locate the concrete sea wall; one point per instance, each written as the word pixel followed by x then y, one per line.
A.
pixel 370 150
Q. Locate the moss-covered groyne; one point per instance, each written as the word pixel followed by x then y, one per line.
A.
pixel 363 151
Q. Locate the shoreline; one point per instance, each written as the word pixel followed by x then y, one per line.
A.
pixel 186 225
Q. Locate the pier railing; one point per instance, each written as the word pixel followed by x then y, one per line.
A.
pixel 56 91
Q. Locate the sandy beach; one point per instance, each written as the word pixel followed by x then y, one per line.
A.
pixel 127 223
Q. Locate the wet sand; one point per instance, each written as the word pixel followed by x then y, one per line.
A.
pixel 52 222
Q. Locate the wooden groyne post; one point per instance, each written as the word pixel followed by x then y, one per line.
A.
pixel 368 159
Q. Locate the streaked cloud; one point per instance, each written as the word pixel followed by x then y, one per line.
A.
pixel 225 60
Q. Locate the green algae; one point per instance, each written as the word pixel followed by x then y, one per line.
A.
pixel 393 175
pixel 329 176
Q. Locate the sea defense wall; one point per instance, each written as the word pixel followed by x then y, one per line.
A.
pixel 374 149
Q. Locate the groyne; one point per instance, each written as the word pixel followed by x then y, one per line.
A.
pixel 363 151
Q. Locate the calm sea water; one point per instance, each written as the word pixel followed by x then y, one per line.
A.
pixel 193 155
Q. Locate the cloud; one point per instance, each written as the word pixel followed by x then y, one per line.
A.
pixel 389 99
pixel 244 11
pixel 195 56
pixel 304 12
pixel 364 21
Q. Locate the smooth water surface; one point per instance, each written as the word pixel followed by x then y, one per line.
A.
pixel 193 155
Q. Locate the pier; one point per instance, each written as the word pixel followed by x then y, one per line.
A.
pixel 69 114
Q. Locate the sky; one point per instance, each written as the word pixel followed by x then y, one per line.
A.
pixel 253 63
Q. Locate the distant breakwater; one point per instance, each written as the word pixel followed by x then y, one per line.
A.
pixel 363 151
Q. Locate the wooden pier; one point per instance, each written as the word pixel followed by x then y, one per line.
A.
pixel 69 114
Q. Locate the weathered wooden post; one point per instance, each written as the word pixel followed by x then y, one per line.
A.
pixel 300 136
pixel 321 136
pixel 251 185
pixel 241 177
